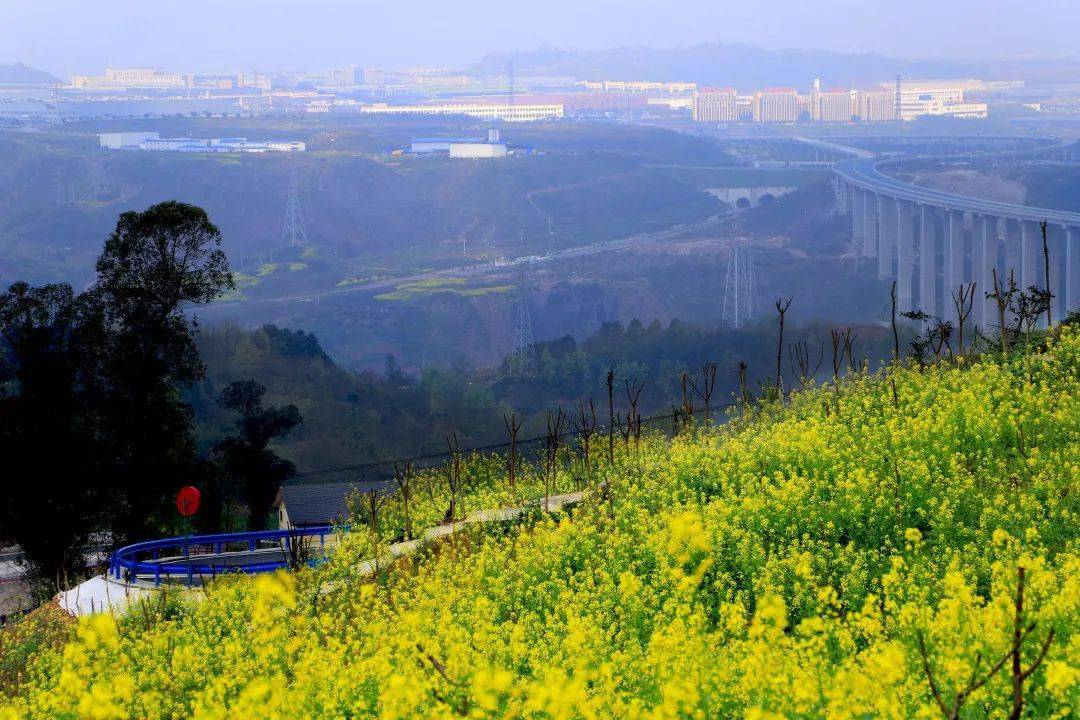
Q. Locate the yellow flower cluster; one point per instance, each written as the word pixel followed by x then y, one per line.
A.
pixel 811 561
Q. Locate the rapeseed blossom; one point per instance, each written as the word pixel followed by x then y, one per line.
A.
pixel 786 565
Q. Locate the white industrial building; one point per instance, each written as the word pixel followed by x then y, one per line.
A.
pixel 494 111
pixel 475 150
pixel 466 148
pixel 124 140
pixel 937 97
pixel 153 142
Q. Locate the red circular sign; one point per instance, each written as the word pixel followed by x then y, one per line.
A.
pixel 187 500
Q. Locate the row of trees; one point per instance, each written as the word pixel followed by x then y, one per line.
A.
pixel 94 435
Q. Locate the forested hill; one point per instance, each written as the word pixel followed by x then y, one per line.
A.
pixel 359 417
pixel 348 417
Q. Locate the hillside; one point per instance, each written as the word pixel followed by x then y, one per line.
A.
pixel 21 74
pixel 819 559
pixel 366 214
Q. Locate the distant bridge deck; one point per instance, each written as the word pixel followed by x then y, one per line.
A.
pixel 865 174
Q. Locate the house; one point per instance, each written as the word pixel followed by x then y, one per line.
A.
pixel 300 506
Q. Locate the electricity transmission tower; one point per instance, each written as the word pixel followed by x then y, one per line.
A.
pixel 524 344
pixel 740 288
pixel 292 228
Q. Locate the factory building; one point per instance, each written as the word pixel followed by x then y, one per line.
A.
pixel 638 86
pixel 124 78
pixel 152 142
pixel 477 150
pixel 124 140
pixel 471 148
pixel 715 105
pixel 494 111
pixel 937 97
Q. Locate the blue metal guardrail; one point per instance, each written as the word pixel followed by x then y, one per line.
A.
pixel 200 556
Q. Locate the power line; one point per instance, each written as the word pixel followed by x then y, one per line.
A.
pixel 740 290
pixel 599 431
pixel 292 228
pixel 524 343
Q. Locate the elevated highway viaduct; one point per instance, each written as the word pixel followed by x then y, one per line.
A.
pixel 931 241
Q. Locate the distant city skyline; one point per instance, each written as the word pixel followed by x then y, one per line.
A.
pixel 65 37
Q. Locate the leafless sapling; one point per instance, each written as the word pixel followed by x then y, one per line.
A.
pixel 1003 300
pixel 633 417
pixel 373 502
pixel 611 416
pixel 781 310
pixel 585 424
pixel 1046 271
pixel 895 332
pixel 555 429
pixel 744 389
pixel 800 363
pixel 708 387
pixel 963 301
pixel 403 479
pixel 687 408
pixel 513 426
pixel 454 482
pixel 836 336
pixel 849 348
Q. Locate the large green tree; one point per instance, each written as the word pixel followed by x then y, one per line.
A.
pixel 154 267
pixel 51 350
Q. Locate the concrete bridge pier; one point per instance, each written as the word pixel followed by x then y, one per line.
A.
pixel 1071 281
pixel 858 218
pixel 905 254
pixel 984 255
pixel 870 225
pixel 1013 245
pixel 1031 255
pixel 928 251
pixel 887 231
pixel 953 272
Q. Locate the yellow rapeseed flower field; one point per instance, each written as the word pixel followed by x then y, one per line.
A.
pixel 820 559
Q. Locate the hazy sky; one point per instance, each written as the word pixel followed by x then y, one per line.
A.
pixel 66 36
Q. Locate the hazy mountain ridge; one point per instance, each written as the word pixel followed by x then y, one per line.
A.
pixel 746 66
pixel 20 73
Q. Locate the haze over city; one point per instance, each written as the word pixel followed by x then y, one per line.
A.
pixel 67 36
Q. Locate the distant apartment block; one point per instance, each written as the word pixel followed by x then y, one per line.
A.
pixel 834 106
pixel 716 105
pixel 776 105
pixel 152 142
pixel 493 111
pixel 875 105
pixel 829 106
pixel 916 98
